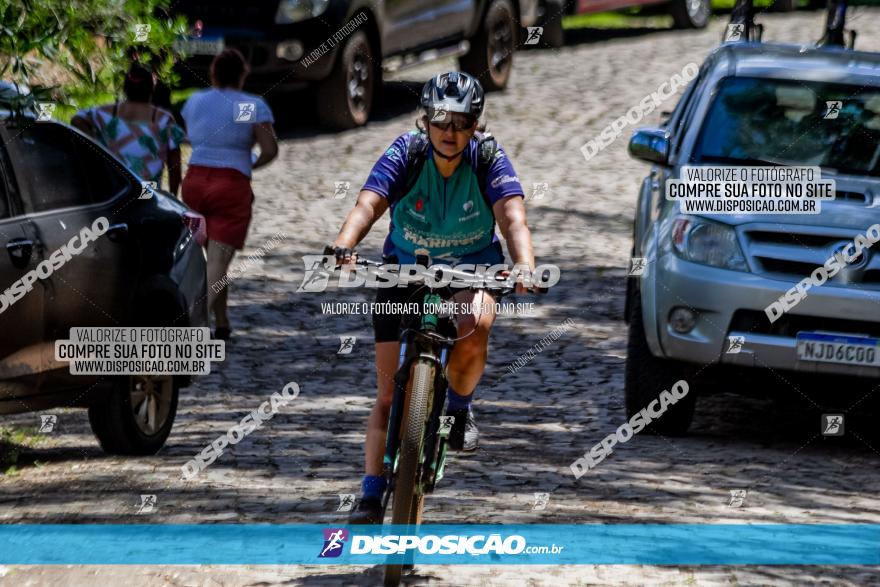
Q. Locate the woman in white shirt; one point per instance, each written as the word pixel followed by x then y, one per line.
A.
pixel 223 124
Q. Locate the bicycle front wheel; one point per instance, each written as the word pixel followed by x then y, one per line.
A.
pixel 408 498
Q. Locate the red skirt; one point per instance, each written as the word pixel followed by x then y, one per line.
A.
pixel 224 197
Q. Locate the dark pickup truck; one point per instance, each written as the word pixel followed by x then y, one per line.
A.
pixel 341 47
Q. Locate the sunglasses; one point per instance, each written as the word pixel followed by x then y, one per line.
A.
pixel 458 122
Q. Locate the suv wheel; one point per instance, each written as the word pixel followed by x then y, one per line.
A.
pixel 551 19
pixel 136 418
pixel 646 376
pixel 346 96
pixel 690 14
pixel 490 57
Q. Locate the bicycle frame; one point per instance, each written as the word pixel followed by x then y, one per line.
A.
pixel 433 340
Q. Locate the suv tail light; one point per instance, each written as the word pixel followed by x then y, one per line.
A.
pixel 196 224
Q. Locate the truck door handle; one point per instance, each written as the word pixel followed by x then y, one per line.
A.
pixel 20 251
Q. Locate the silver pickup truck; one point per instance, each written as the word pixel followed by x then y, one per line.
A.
pixel 783 292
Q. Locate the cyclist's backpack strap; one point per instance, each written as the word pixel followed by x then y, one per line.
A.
pixel 487 147
pixel 417 154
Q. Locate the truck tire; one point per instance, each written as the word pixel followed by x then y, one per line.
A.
pixel 345 98
pixel 490 57
pixel 690 14
pixel 551 19
pixel 646 376
pixel 136 417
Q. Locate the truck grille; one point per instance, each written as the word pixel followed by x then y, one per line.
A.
pixel 790 324
pixel 794 252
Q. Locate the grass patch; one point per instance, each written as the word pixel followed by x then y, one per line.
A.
pixel 615 20
pixel 14 441
pixel 729 4
pixel 632 17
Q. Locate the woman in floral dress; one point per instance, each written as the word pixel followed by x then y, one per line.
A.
pixel 144 137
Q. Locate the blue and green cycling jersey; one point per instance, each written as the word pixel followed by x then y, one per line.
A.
pixel 449 217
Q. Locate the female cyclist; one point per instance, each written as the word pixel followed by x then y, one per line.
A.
pixel 465 184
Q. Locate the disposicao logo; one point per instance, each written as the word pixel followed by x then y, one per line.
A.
pixel 334 541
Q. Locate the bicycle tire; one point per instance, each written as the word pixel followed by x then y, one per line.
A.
pixel 407 506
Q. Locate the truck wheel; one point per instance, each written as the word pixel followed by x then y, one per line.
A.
pixel 646 376
pixel 551 19
pixel 344 99
pixel 490 57
pixel 136 417
pixel 690 14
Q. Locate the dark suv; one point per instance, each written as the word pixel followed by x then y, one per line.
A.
pixel 147 269
pixel 342 46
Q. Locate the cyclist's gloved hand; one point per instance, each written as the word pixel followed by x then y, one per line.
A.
pixel 538 289
pixel 343 255
pixel 521 288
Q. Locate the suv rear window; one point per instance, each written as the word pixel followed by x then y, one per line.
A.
pixel 756 121
pixel 55 168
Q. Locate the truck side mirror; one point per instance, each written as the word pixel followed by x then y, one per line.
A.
pixel 650 144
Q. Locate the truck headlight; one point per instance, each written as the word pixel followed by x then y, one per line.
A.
pixel 709 243
pixel 290 11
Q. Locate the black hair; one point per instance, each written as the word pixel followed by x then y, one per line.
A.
pixel 228 67
pixel 138 85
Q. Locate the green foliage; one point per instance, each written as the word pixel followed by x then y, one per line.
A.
pixel 11 443
pixel 90 42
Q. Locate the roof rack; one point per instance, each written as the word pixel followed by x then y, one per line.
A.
pixel 742 27
pixel 835 22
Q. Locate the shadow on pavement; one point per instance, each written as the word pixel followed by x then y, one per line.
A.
pixel 533 424
pixel 370 577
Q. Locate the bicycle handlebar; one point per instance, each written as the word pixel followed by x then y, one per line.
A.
pixel 434 273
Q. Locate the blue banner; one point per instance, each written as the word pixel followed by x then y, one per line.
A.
pixel 254 544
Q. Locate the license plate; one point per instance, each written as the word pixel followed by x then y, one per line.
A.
pixel 838 348
pixel 200 46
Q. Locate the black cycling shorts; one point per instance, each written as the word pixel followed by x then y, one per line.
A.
pixel 386 326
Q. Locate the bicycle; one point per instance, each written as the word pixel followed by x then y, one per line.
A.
pixel 418 430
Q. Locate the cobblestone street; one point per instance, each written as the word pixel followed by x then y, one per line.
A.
pixel 533 422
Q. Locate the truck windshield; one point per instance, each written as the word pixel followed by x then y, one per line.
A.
pixel 760 121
